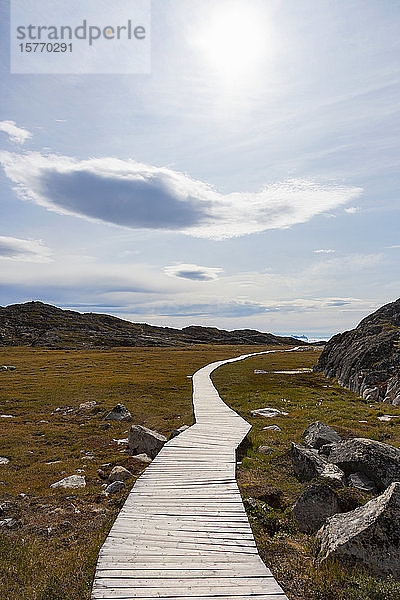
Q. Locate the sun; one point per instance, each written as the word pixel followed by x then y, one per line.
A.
pixel 235 39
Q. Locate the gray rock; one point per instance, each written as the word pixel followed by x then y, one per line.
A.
pixel 178 431
pixel 143 440
pixel 119 474
pixel 10 523
pixel 368 536
pixel 361 482
pixel 4 460
pixel 272 428
pixel 264 449
pixel 73 481
pixel 119 413
pixel 88 405
pixel 318 434
pixel 378 461
pixel 308 464
pixel 268 412
pixel 115 487
pixel 142 458
pixel 314 506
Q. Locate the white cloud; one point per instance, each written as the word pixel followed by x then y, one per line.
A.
pixel 393 247
pixel 138 196
pixel 351 210
pixel 23 250
pixel 323 251
pixel 193 272
pixel 16 134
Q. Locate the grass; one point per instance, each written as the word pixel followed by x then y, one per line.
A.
pixel 307 397
pixel 51 554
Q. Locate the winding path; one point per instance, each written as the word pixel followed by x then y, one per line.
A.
pixel 183 532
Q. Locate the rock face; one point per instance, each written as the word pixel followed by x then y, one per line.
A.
pixel 145 441
pixel 379 462
pixel 369 535
pixel 73 481
pixel 366 359
pixel 119 413
pixel 314 506
pixel 43 325
pixel 308 464
pixel 318 434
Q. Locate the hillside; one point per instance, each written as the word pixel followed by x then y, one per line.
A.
pixel 367 359
pixel 42 325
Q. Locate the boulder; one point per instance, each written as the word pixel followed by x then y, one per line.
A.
pixel 119 474
pixel 264 449
pixel 368 536
pixel 308 464
pixel 143 440
pixel 318 434
pixel 119 413
pixel 314 506
pixel 178 431
pixel 73 481
pixel 115 487
pixel 378 461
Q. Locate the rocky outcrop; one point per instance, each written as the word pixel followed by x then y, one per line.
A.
pixel 379 462
pixel 366 360
pixel 308 464
pixel 43 325
pixel 145 441
pixel 314 506
pixel 368 536
pixel 318 434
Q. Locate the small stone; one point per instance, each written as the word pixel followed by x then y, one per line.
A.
pixel 142 458
pixel 115 487
pixel 361 482
pixel 88 405
pixel 119 413
pixel 264 450
pixel 73 481
pixel 272 428
pixel 119 474
pixel 268 412
pixel 4 460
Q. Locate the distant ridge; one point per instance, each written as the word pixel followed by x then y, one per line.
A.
pixel 43 325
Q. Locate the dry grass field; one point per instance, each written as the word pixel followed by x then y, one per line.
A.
pixel 51 552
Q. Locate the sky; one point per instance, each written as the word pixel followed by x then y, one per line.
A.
pixel 250 180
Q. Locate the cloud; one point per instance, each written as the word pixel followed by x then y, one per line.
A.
pixel 16 134
pixel 193 272
pixel 351 210
pixel 138 196
pixel 324 251
pixel 395 246
pixel 23 250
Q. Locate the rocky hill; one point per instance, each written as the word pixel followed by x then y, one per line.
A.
pixel 43 325
pixel 367 359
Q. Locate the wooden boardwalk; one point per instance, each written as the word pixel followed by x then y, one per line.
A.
pixel 183 531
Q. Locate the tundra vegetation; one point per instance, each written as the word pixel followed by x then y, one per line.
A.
pixel 50 550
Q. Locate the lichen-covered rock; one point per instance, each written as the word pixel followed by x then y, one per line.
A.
pixel 119 413
pixel 145 441
pixel 115 487
pixel 368 536
pixel 318 434
pixel 361 482
pixel 314 506
pixel 378 461
pixel 119 474
pixel 308 464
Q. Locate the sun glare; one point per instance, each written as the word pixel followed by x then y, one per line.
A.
pixel 235 40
